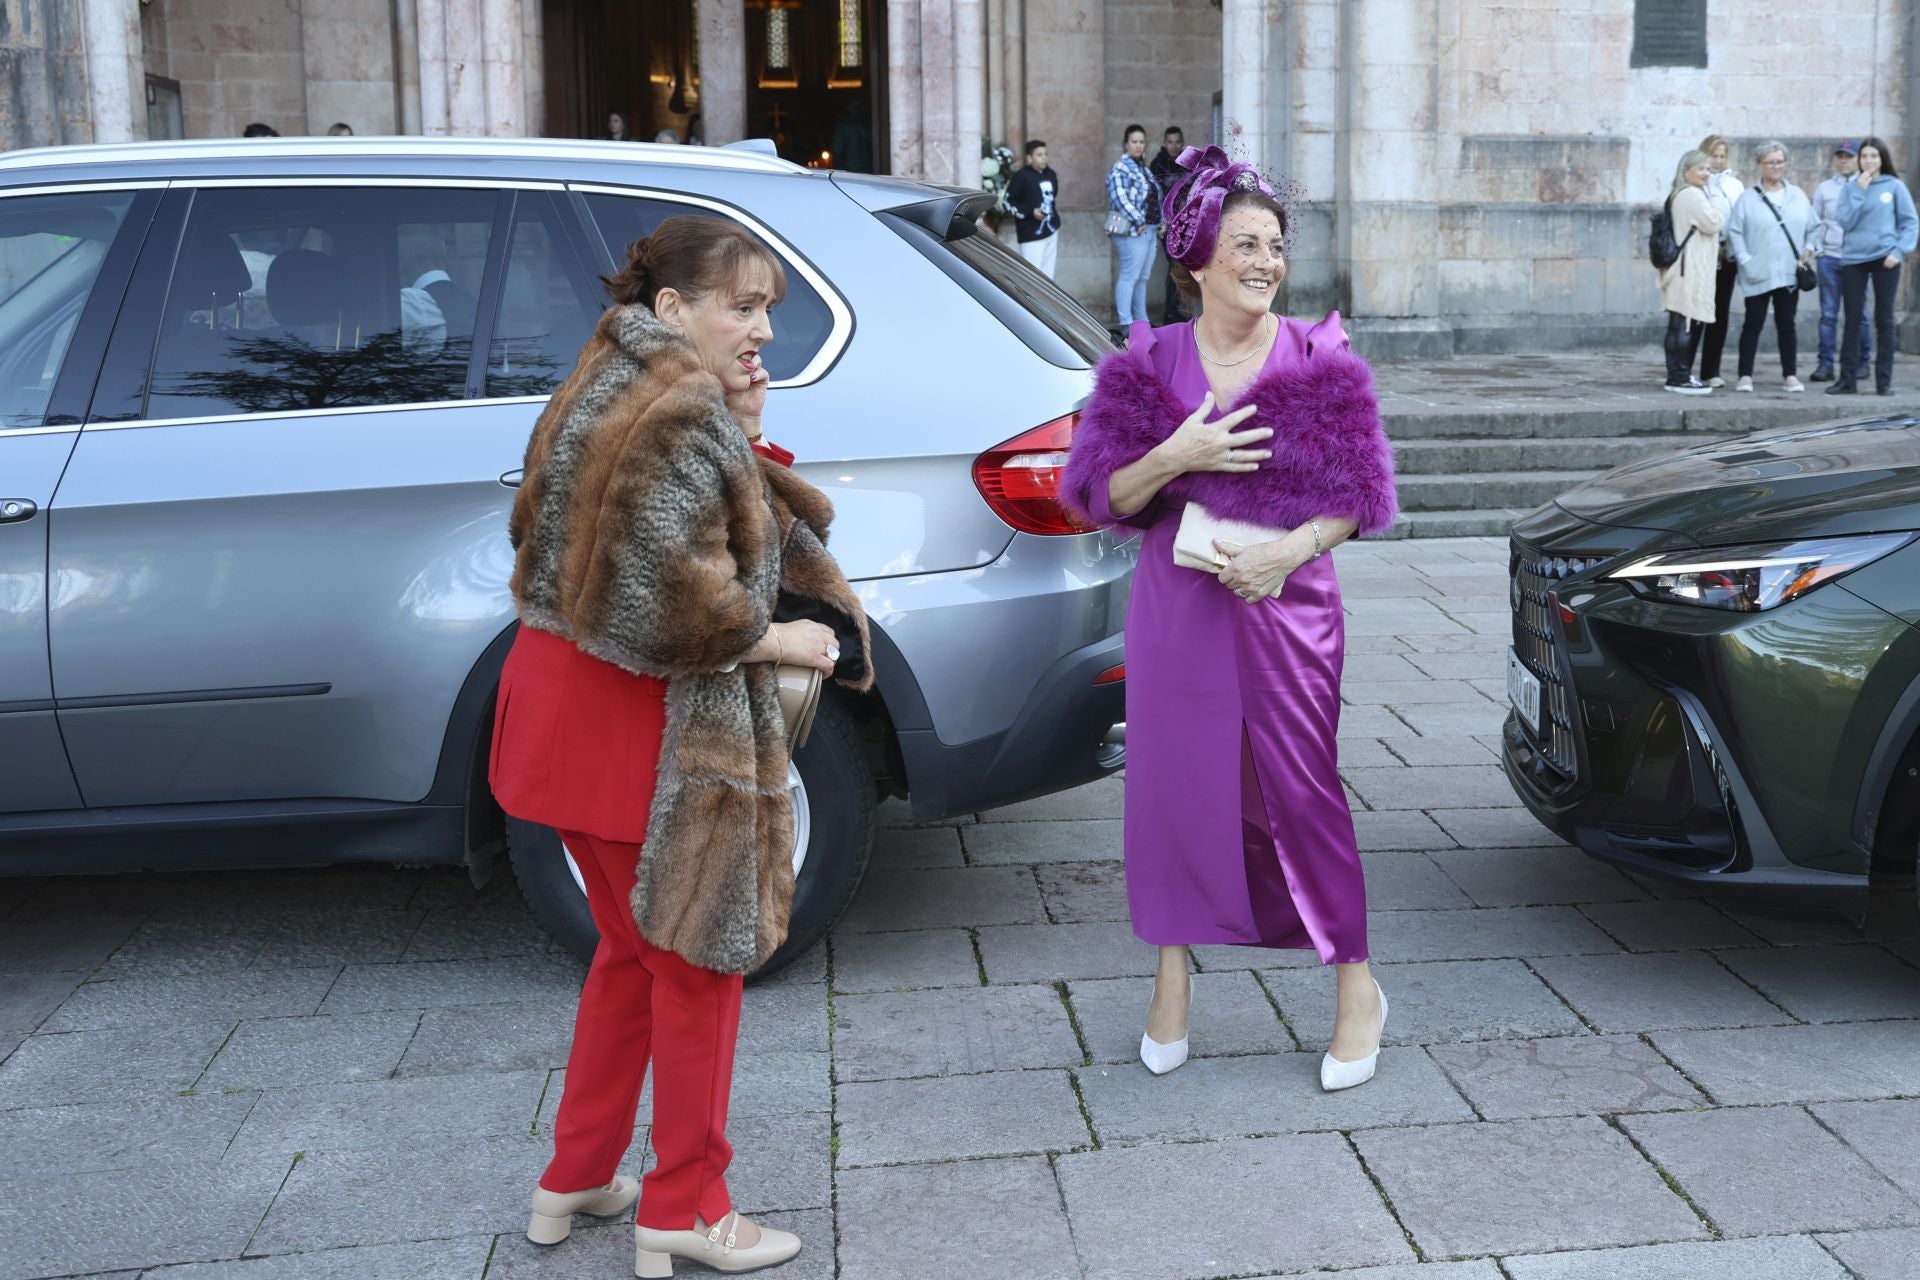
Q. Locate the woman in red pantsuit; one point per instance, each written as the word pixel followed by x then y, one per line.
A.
pixel 638 715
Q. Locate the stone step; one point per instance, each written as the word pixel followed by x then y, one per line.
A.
pixel 1436 457
pixel 1728 414
pixel 1490 523
pixel 1477 491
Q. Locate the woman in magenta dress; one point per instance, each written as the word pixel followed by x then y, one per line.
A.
pixel 1237 827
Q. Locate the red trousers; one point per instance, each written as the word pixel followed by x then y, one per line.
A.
pixel 641 1003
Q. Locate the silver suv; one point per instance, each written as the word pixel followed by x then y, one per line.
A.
pixel 261 407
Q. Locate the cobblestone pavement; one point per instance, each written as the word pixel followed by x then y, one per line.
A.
pixel 349 1073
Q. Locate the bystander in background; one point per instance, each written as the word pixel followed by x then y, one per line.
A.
pixel 1034 194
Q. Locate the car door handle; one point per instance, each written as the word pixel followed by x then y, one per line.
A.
pixel 14 510
pixel 512 478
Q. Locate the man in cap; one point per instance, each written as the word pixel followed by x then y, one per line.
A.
pixel 1826 205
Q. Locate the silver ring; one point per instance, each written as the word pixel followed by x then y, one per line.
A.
pixel 833 653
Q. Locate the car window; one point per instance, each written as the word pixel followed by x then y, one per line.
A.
pixel 290 298
pixel 801 323
pixel 1016 282
pixel 51 250
pixel 547 309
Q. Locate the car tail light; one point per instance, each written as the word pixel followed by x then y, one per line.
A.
pixel 1112 675
pixel 1021 479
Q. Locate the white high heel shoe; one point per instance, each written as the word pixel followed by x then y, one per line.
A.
pixel 553 1211
pixel 1162 1058
pixel 1335 1074
pixel 717 1247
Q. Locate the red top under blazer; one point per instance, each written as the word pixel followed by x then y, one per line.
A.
pixel 576 740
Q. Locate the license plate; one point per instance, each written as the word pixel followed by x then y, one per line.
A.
pixel 1523 691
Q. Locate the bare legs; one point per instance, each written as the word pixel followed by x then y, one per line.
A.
pixel 1172 997
pixel 1356 1016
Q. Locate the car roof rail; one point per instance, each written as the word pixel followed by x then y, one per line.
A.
pixel 757 146
pixel 951 215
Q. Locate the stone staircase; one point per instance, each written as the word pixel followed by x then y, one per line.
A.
pixel 1470 464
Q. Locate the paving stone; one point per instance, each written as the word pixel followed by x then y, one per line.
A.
pixel 1006 843
pixel 93 1137
pixel 1524 1186
pixel 94 1066
pixel 339 1117
pixel 1535 877
pixel 1369 722
pixel 1491 933
pixel 323 936
pixel 1194 1188
pixel 489 1037
pixel 1364 646
pixel 1231 1015
pixel 1856 983
pixel 784 1019
pixel 899 813
pixel 27 998
pixel 608 1251
pixel 1681 989
pixel 637 1154
pixel 1058 952
pixel 473 1184
pixel 1367 753
pixel 1470 786
pixel 944 899
pixel 904 961
pixel 426 1260
pixel 1798 1063
pixel 1483 1269
pixel 1219 958
pixel 1270 1093
pixel 764 1084
pixel 1459 666
pixel 1441 749
pixel 1005 1113
pixel 903 848
pixel 1460 1000
pixel 16 890
pixel 1082 892
pixel 963 1213
pixel 1100 799
pixel 137 1002
pixel 1565 1076
pixel 1890 918
pixel 1887 1134
pixel 444 983
pixel 1417 691
pixel 953 1031
pixel 1399 829
pixel 780 1163
pixel 806 969
pixel 1759 1170
pixel 63 942
pixel 1772 1258
pixel 1493 828
pixel 278 1053
pixel 1447 719
pixel 55 1224
pixel 1668 926
pixel 317 890
pixel 1878 1255
pixel 1408 882
pixel 470 932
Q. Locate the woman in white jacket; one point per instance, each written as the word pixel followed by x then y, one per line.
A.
pixel 1722 188
pixel 1686 287
pixel 1770 235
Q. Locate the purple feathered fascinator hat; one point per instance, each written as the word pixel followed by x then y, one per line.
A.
pixel 1192 207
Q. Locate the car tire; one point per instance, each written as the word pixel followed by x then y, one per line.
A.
pixel 834 803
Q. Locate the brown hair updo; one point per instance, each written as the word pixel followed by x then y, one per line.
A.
pixel 693 254
pixel 1244 198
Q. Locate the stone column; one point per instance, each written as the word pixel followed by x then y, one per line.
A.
pixel 534 68
pixel 1244 57
pixel 997 72
pixel 1013 62
pixel 937 98
pixel 116 72
pixel 969 89
pixel 502 55
pixel 466 67
pixel 431 35
pixel 723 70
pixel 406 66
pixel 904 118
pixel 1065 76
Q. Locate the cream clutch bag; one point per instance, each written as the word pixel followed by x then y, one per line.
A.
pixel 1193 545
pixel 799 699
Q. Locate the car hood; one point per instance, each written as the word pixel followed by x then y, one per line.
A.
pixel 1835 478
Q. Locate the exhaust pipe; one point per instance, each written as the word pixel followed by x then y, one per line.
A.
pixel 1112 751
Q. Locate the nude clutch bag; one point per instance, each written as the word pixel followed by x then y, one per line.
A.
pixel 1193 545
pixel 799 699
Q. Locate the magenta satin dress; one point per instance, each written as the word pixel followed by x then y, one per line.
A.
pixel 1237 827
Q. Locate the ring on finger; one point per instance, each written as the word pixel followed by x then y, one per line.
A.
pixel 833 653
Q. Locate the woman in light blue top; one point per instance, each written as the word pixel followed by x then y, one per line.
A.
pixel 1770 235
pixel 1877 218
pixel 1132 193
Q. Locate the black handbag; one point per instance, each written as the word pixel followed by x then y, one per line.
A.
pixel 1804 276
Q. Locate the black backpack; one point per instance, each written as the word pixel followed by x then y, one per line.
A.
pixel 1661 247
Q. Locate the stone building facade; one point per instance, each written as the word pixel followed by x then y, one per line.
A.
pixel 1476 173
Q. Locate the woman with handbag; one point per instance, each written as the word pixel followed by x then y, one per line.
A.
pixel 1771 236
pixel 1237 827
pixel 639 714
pixel 1131 194
pixel 1687 283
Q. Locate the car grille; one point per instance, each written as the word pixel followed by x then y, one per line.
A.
pixel 1536 640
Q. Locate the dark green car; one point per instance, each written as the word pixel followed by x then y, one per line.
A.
pixel 1715 671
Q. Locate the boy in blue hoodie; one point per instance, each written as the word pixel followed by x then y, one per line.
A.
pixel 1879 229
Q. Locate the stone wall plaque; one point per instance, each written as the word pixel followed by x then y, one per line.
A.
pixel 1669 33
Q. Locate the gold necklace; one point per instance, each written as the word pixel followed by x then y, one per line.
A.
pixel 1228 364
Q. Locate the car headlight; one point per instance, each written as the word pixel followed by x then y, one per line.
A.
pixel 1757 576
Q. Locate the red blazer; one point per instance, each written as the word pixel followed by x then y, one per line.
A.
pixel 576 740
